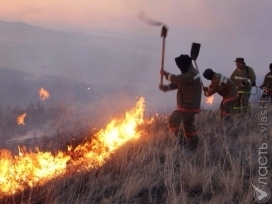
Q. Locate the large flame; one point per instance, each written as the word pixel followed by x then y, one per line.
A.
pixel 210 99
pixel 35 168
pixel 44 94
pixel 116 134
pixel 21 119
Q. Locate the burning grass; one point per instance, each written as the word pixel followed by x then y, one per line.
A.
pixel 35 168
pixel 155 169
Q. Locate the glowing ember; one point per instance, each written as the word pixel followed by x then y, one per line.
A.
pixel 36 168
pixel 209 100
pixel 44 94
pixel 21 119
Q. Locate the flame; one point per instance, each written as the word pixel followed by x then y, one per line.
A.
pixel 21 118
pixel 30 169
pixel 209 99
pixel 44 94
pixel 115 135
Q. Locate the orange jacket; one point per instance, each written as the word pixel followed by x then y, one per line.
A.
pixel 222 85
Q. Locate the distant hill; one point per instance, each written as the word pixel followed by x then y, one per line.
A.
pixel 85 57
pixel 22 32
pixel 43 51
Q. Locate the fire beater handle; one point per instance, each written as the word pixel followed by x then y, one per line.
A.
pixel 163 35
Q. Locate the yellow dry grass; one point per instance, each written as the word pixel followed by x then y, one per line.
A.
pixel 155 169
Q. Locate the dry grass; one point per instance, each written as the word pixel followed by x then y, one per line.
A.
pixel 155 169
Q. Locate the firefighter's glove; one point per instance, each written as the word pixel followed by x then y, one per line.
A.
pixel 163 88
pixel 164 73
pixel 205 89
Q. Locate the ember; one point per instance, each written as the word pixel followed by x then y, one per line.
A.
pixel 44 94
pixel 21 119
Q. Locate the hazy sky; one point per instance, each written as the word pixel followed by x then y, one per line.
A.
pixel 244 25
pixel 114 15
pixel 225 29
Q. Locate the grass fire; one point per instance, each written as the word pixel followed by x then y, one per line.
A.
pixel 35 168
pixel 138 160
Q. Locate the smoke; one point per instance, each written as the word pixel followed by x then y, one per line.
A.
pixel 118 57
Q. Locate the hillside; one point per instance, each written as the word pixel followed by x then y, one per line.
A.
pixel 155 169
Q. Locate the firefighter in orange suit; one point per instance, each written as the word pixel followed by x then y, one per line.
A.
pixel 267 87
pixel 225 87
pixel 189 93
pixel 244 78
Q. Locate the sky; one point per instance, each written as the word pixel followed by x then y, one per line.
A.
pixel 225 29
pixel 120 15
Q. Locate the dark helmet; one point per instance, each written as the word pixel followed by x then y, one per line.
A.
pixel 208 74
pixel 183 62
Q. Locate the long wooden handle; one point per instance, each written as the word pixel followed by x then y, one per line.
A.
pixel 162 60
pixel 199 74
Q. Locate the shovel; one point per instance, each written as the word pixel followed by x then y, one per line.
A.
pixel 194 54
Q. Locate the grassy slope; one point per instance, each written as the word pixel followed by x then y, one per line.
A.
pixel 154 169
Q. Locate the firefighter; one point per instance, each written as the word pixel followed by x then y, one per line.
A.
pixel 244 78
pixel 267 86
pixel 188 86
pixel 225 87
